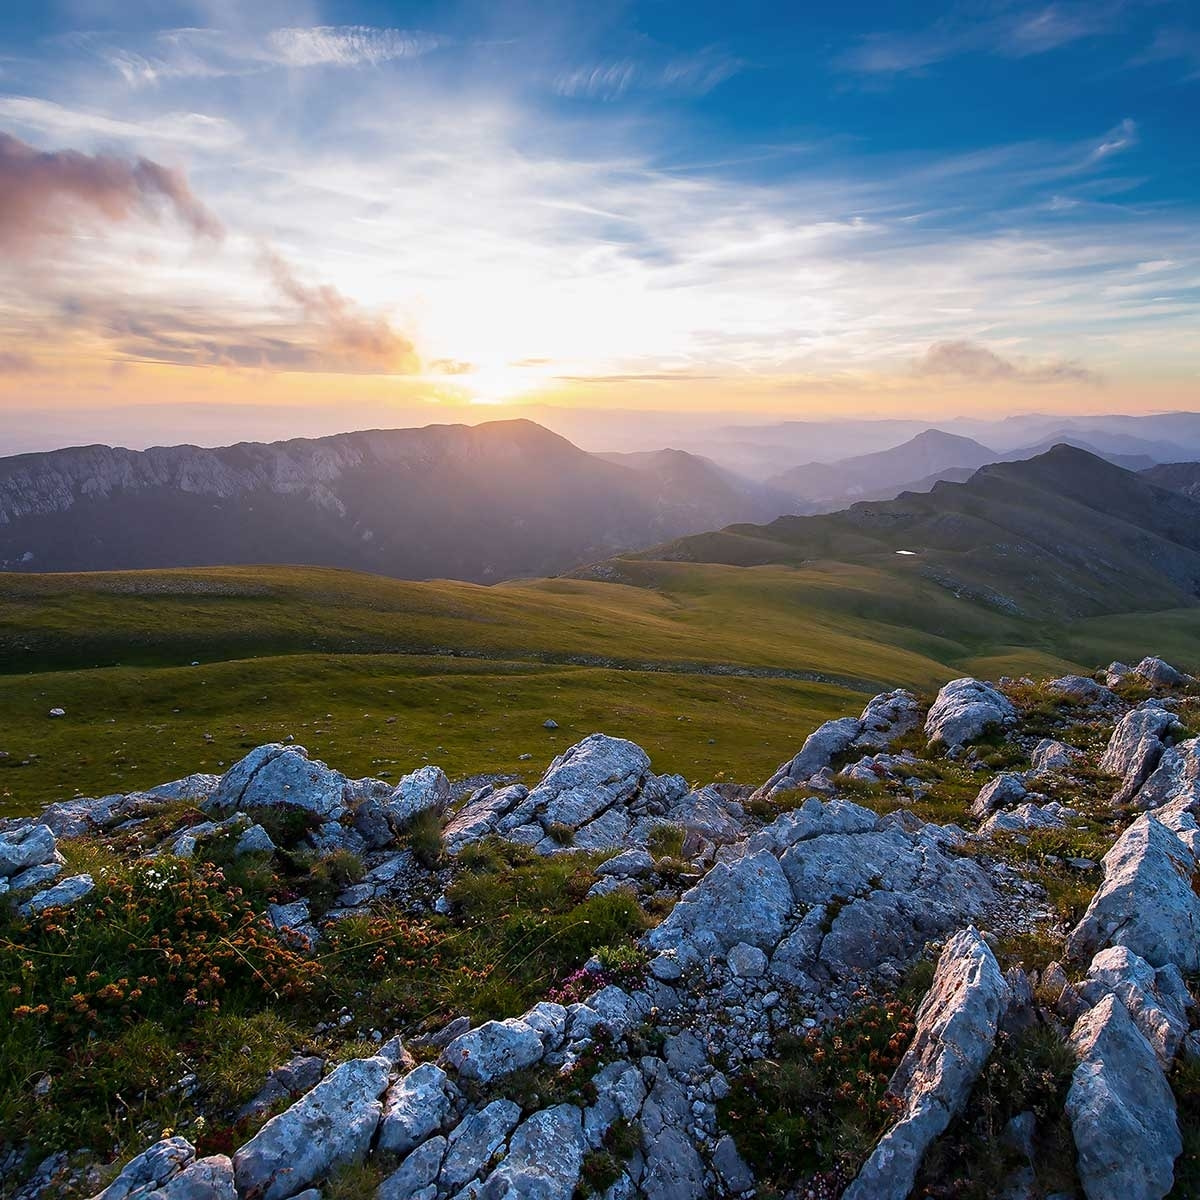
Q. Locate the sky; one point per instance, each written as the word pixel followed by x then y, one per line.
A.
pixel 224 220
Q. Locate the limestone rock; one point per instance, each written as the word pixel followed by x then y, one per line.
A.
pixel 206 1179
pixel 1136 746
pixel 1080 690
pixel 1160 674
pixel 964 710
pixel 280 774
pixel 495 1048
pixel 886 718
pixel 1121 1109
pixel 1005 790
pixel 426 789
pixel 332 1125
pixel 24 847
pixel 1025 817
pixel 957 1024
pixel 1147 901
pixel 416 1177
pixel 588 778
pixel 414 1108
pixel 475 1141
pixel 545 1156
pixel 150 1169
pixel 820 747
pixel 1049 755
pixel 66 892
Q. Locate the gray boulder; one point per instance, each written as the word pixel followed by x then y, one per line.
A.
pixel 1080 690
pixel 1005 790
pixel 63 894
pixel 1121 1109
pixel 206 1179
pixel 474 1143
pixel 956 1024
pixel 332 1125
pixel 886 718
pixel 1050 755
pixel 424 790
pixel 494 1049
pixel 416 1177
pixel 1160 674
pixel 819 749
pixel 150 1169
pixel 591 776
pixel 544 1159
pixel 1136 746
pixel 24 847
pixel 1027 817
pixel 280 774
pixel 1146 901
pixel 965 709
pixel 415 1107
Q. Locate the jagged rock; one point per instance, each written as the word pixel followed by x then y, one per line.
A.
pixel 1049 755
pixel 417 1175
pixel 66 892
pixel 74 818
pixel 732 1169
pixel 1136 746
pixel 495 1048
pixel 426 789
pixel 588 778
pixel 956 1029
pixel 1080 690
pixel 1175 782
pixel 255 840
pixel 150 1169
pixel 293 1079
pixel 746 962
pixel 545 1156
pixel 964 710
pixel 1160 674
pixel 1147 901
pixel 673 1170
pixel 24 847
pixel 1121 1109
pixel 279 774
pixel 819 749
pixel 887 717
pixel 628 863
pixel 33 877
pixel 293 922
pixel 706 814
pixel 474 1142
pixel 1028 816
pixel 330 1126
pixel 1156 1000
pixel 1004 790
pixel 746 901
pixel 205 1179
pixel 415 1107
pixel 1115 672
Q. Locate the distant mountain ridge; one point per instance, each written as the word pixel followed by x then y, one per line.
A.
pixel 1065 534
pixel 1181 477
pixel 485 502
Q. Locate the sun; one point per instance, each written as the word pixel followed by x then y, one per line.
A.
pixel 500 383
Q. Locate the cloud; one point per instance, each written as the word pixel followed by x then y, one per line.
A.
pixel 183 128
pixel 1120 137
pixel 346 331
pixel 970 360
pixel 692 75
pixel 15 363
pixel 42 193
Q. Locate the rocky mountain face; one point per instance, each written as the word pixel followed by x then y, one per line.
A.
pixel 1062 535
pixel 1181 477
pixel 1046 1042
pixel 479 503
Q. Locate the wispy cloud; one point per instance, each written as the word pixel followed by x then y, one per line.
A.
pixel 972 361
pixel 691 75
pixel 180 128
pixel 46 193
pixel 1119 138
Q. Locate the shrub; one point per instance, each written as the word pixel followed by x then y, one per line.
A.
pixel 424 837
pixel 561 833
pixel 666 841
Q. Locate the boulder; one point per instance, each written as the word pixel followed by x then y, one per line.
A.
pixel 1160 674
pixel 24 847
pixel 1136 746
pixel 426 789
pixel 544 1159
pixel 255 840
pixel 591 776
pixel 474 1142
pixel 1157 1000
pixel 965 709
pixel 150 1169
pixel 1175 781
pixel 819 749
pixel 329 1127
pixel 206 1179
pixel 280 774
pixel 1081 691
pixel 886 718
pixel 1147 901
pixel 1121 1109
pixel 629 863
pixel 64 893
pixel 1003 791
pixel 956 1024
pixel 494 1049
pixel 1049 755
pixel 415 1107
pixel 1026 817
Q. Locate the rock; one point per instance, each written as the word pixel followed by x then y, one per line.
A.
pixel 1116 672
pixel 819 749
pixel 1049 755
pixel 729 1165
pixel 1026 817
pixel 58 712
pixel 256 840
pixel 886 718
pixel 150 1169
pixel 418 1172
pixel 746 901
pixel 1175 783
pixel 1146 902
pixel 964 710
pixel 415 1107
pixel 1121 1109
pixel 475 1141
pixel 331 1126
pixel 628 864
pixel 1136 746
pixel 545 1156
pixel 425 790
pixel 674 1171
pixel 197 786
pixel 205 1179
pixel 746 962
pixel 1080 690
pixel 24 847
pixel 1157 1000
pixel 550 723
pixel 293 923
pixel 495 1048
pixel 279 774
pixel 956 1029
pixel 591 776
pixel 33 877
pixel 294 1078
pixel 1160 674
pixel 66 892
pixel 1005 790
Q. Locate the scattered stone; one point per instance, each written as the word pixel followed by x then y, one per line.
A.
pixel 63 894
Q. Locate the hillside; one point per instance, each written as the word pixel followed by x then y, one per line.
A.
pixel 1059 536
pixel 848 479
pixel 1183 477
pixel 494 501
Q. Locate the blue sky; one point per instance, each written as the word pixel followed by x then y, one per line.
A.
pixel 366 208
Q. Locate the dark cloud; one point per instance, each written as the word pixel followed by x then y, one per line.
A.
pixel 44 193
pixel 345 331
pixel 970 360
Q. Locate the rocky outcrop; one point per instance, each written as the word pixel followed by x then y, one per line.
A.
pixel 279 774
pixel 1081 691
pixel 1136 747
pixel 966 709
pixel 956 1029
pixel 1121 1108
pixel 151 1169
pixel 1050 755
pixel 1026 817
pixel 1160 674
pixel 1002 791
pixel 1147 902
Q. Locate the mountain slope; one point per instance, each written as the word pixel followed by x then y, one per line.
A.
pixel 486 502
pixel 1181 477
pixel 1062 535
pixel 927 454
